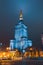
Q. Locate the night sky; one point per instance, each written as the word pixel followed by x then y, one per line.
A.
pixel 32 14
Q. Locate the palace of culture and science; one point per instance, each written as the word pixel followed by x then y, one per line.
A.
pixel 20 41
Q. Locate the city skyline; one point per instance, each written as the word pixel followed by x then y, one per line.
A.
pixel 33 18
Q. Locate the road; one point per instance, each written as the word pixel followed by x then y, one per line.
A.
pixel 23 62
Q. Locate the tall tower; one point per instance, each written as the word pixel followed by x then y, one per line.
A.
pixel 20 28
pixel 20 41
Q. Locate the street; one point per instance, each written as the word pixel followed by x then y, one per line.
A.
pixel 23 62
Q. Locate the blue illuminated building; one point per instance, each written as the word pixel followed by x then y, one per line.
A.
pixel 20 41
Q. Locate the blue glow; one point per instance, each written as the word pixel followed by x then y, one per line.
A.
pixel 20 31
pixel 21 41
pixel 23 51
pixel 12 44
pixel 30 42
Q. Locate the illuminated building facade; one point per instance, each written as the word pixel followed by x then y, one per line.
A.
pixel 42 38
pixel 1 45
pixel 21 41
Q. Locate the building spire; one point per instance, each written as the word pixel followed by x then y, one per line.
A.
pixel 21 15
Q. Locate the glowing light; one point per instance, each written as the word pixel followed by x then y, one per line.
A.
pixel 3 53
pixel 0 56
pixel 8 48
pixel 21 16
pixel 31 48
pixel 41 53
